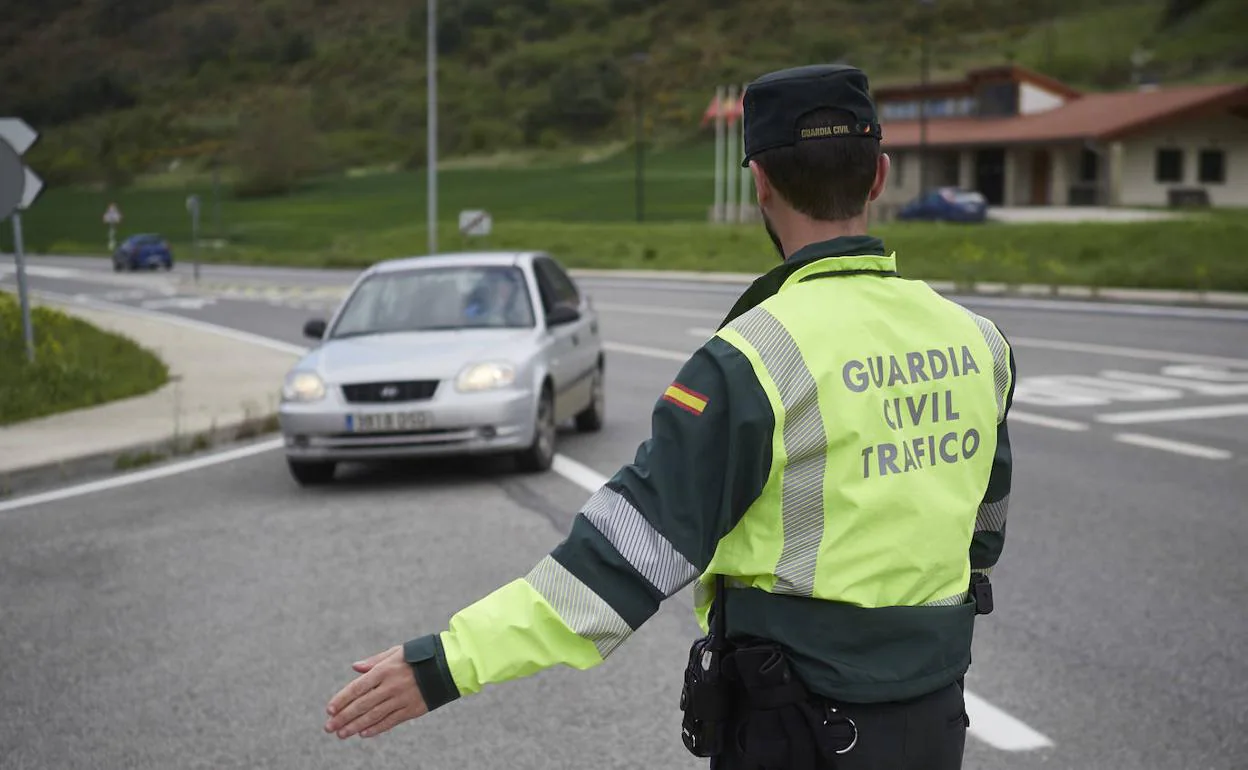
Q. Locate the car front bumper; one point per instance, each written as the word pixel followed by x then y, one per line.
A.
pixel 457 424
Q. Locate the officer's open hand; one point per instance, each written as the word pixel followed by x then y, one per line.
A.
pixel 383 696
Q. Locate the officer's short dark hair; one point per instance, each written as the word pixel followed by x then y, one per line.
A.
pixel 828 179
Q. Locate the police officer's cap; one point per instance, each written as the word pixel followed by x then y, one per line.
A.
pixel 776 102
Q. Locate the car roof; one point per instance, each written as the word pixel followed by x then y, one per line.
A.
pixel 453 259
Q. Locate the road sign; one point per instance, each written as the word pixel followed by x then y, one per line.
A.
pixel 12 180
pixel 473 222
pixel 19 187
pixel 17 134
pixel 113 215
pixel 34 186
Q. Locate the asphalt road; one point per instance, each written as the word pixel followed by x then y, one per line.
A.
pixel 203 619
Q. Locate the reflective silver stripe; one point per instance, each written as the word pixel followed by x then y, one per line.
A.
pixel 578 606
pixel 639 543
pixel 1000 359
pixel 991 516
pixel 951 601
pixel 985 571
pixel 805 444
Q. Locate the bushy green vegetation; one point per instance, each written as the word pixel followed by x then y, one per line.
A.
pixel 134 85
pixel 76 365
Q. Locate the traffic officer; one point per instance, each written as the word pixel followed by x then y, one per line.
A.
pixel 831 470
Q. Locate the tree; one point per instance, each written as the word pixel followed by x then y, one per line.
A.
pixel 277 145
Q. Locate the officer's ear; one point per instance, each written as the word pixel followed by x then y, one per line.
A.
pixel 762 186
pixel 882 166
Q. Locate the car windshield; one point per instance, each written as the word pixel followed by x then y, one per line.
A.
pixel 426 299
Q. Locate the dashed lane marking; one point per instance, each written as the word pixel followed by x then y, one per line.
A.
pixel 640 350
pixel 1174 447
pixel 988 723
pixel 1171 415
pixel 1045 421
pixel 138 477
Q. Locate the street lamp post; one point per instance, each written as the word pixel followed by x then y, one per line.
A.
pixel 431 125
pixel 639 59
pixel 924 66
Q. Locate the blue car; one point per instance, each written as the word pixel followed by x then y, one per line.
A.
pixel 946 204
pixel 146 251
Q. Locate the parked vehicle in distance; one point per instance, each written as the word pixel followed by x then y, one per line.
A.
pixel 453 354
pixel 143 251
pixel 946 204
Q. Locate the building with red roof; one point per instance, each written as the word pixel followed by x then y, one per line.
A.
pixel 1022 138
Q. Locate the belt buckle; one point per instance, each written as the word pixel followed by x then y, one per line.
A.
pixel 828 711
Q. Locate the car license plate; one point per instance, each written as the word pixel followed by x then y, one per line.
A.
pixel 387 422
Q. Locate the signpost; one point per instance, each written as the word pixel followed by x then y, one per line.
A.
pixel 475 223
pixel 192 205
pixel 19 187
pixel 112 218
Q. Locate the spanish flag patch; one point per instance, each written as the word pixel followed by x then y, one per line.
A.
pixel 690 401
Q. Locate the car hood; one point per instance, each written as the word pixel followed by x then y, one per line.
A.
pixel 412 355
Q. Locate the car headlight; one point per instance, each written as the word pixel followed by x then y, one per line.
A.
pixel 485 377
pixel 303 386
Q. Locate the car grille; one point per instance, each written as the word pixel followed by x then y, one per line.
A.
pixel 389 392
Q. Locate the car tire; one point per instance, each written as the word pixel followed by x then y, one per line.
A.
pixel 116 266
pixel 540 454
pixel 592 418
pixel 311 473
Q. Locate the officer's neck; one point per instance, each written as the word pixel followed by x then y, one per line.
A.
pixel 800 232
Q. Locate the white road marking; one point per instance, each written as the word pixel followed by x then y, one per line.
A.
pixel 224 331
pixel 679 312
pixel 183 303
pixel 1177 447
pixel 1170 415
pixel 988 723
pixel 639 350
pixel 1126 352
pixel 579 474
pixel 139 477
pixel 1196 378
pixel 1000 730
pixel 1045 421
pixel 39 271
pixel 1033 342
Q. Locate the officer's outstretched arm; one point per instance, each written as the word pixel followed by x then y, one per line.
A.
pixel 989 538
pixel 641 538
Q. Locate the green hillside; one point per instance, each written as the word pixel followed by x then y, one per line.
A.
pixel 288 88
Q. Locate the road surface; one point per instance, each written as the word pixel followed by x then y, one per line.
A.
pixel 204 618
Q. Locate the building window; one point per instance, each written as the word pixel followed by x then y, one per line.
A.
pixel 1212 166
pixel 1169 165
pixel 1089 163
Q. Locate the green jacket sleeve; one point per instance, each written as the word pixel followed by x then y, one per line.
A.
pixel 988 541
pixel 639 539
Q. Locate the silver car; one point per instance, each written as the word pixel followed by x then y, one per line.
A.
pixel 477 353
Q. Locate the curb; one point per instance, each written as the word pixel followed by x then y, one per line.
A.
pixel 144 454
pixel 1108 295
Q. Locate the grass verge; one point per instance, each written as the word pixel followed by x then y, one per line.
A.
pixel 76 365
pixel 583 212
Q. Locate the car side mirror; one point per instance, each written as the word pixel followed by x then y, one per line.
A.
pixel 314 329
pixel 562 314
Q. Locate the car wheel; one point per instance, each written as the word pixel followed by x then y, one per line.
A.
pixel 541 453
pixel 311 473
pixel 595 414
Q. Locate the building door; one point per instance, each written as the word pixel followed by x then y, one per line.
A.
pixel 990 175
pixel 1040 178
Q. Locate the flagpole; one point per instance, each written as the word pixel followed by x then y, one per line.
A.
pixel 746 177
pixel 731 161
pixel 718 214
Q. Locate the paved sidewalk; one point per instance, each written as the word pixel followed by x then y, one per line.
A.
pixel 218 387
